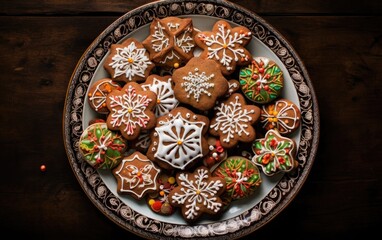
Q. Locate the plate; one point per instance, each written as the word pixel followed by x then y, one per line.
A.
pixel 244 216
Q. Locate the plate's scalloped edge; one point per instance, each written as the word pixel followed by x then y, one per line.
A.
pixel 232 228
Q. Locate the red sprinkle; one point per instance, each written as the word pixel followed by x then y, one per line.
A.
pixel 43 168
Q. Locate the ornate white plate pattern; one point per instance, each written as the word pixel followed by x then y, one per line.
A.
pixel 251 215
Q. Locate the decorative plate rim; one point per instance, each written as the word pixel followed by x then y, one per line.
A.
pixel 249 221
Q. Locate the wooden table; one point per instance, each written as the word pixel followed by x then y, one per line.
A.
pixel 340 43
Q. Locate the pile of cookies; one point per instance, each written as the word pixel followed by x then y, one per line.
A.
pixel 175 110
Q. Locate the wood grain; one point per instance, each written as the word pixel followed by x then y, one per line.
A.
pixel 339 43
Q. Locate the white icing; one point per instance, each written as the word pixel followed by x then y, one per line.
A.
pixel 185 41
pixel 199 192
pixel 131 61
pixel 129 109
pixel 179 130
pixel 98 97
pixel 165 95
pixel 197 84
pixel 159 40
pixel 232 119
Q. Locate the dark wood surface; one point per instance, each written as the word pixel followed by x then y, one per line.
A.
pixel 340 43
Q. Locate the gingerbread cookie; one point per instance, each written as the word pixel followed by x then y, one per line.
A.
pixel 199 83
pixel 282 115
pixel 128 61
pixel 131 110
pixel 170 43
pixel 98 92
pixel 101 147
pixel 225 45
pixel 262 80
pixel 178 140
pixel 158 201
pixel 233 86
pixel 242 177
pixel 136 176
pixel 162 86
pixel 274 153
pixel 233 120
pixel 197 193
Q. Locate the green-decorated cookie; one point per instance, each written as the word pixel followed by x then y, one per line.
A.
pixel 242 177
pixel 101 147
pixel 274 153
pixel 262 80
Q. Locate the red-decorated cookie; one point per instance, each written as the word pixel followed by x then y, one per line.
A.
pixel 136 176
pixel 225 45
pixel 274 153
pixel 128 61
pixel 262 80
pixel 233 121
pixel 98 92
pixel 170 43
pixel 282 115
pixel 197 193
pixel 101 147
pixel 178 140
pixel 131 110
pixel 242 177
pixel 199 83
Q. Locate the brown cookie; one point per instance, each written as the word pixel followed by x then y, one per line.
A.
pixel 131 110
pixel 197 193
pixel 170 43
pixel 282 115
pixel 233 86
pixel 162 86
pixel 199 83
pixel 136 176
pixel 233 121
pixel 128 61
pixel 98 92
pixel 225 45
pixel 178 140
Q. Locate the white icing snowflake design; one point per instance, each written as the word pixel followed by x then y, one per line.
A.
pixel 179 141
pixel 197 84
pixel 226 42
pixel 160 41
pixel 129 109
pixel 199 192
pixel 232 119
pixel 166 100
pixel 130 61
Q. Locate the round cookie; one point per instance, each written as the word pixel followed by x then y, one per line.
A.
pixel 98 92
pixel 274 153
pixel 162 86
pixel 101 147
pixel 197 193
pixel 242 177
pixel 128 61
pixel 131 110
pixel 262 80
pixel 158 201
pixel 170 42
pixel 233 121
pixel 199 83
pixel 136 176
pixel 225 45
pixel 178 140
pixel 282 115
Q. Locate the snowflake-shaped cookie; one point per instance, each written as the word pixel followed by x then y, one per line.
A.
pixel 274 153
pixel 162 86
pixel 178 139
pixel 233 121
pixel 131 110
pixel 136 175
pixel 171 41
pixel 197 193
pixel 199 83
pixel 128 61
pixel 225 45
